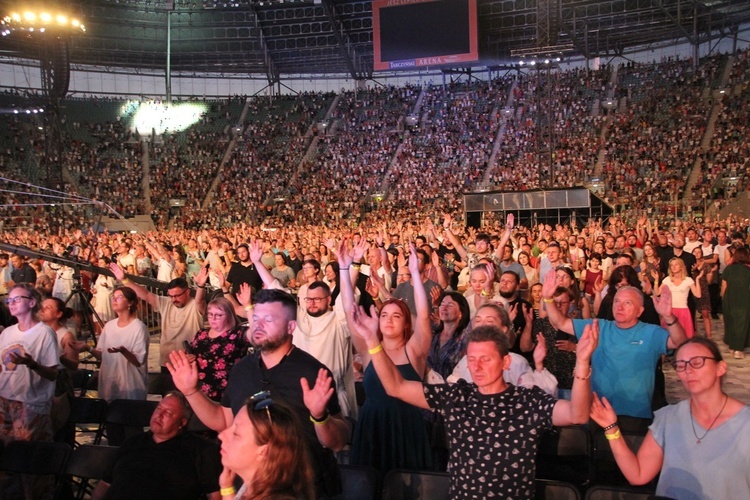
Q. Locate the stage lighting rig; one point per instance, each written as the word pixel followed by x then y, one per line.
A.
pixel 35 18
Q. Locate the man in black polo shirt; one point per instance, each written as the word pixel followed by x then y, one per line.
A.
pixel 166 462
pixel 290 374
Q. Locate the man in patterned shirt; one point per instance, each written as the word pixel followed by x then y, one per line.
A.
pixel 494 428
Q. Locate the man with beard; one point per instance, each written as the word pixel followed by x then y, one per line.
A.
pixel 288 373
pixel 181 314
pixel 509 285
pixel 322 332
pixel 509 264
pixel 243 271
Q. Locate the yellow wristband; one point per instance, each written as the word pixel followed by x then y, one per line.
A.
pixel 375 350
pixel 613 436
pixel 227 491
pixel 320 422
pixel 548 301
pixel 125 280
pixel 249 307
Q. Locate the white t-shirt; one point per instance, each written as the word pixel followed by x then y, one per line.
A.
pixel 118 377
pixel 19 382
pixel 679 292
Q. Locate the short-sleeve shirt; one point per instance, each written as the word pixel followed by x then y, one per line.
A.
pixel 182 468
pixel 624 364
pixel 177 324
pixel 493 438
pixel 716 468
pixel 249 377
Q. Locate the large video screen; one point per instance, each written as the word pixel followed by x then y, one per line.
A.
pixel 417 33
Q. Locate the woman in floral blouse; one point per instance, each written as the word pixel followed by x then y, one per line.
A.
pixel 218 348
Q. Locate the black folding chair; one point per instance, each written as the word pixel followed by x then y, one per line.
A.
pixel 36 458
pixel 360 482
pixel 127 417
pixel 89 462
pixel 403 485
pixel 88 416
pixel 605 492
pixel 556 490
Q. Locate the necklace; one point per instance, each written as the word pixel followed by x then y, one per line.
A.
pixel 692 420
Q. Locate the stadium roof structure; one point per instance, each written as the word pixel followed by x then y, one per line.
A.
pixel 335 37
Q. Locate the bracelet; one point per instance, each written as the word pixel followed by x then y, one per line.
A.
pixel 548 301
pixel 188 395
pixel 343 268
pixel 485 293
pixel 201 286
pixel 375 350
pixel 613 436
pixel 227 491
pixel 588 375
pixel 672 323
pixel 321 421
pixel 249 307
pixel 125 280
pixel 610 426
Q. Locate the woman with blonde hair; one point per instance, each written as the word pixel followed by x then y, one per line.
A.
pixel 680 284
pixel 265 446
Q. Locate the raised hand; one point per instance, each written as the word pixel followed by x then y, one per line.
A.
pixel 316 399
pixel 342 253
pixel 117 271
pixel 663 303
pixel 435 295
pixel 549 286
pixel 184 372
pixel 413 261
pixel 202 277
pixel 359 250
pixel 540 351
pixel 602 412
pixel 588 342
pixel 245 294
pixel 255 249
pixel 365 326
pixel 510 221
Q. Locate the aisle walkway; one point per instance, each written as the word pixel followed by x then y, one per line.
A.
pixel 736 381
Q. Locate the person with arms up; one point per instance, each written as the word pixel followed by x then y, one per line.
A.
pixel 700 447
pixel 288 373
pixel 625 362
pixel 493 427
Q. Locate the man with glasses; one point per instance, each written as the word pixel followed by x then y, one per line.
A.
pixel 624 364
pixel 181 314
pixel 322 332
pixel 288 373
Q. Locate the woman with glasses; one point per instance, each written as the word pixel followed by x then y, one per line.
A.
pixel 218 347
pixel 29 369
pixel 123 350
pixel 700 445
pixel 266 448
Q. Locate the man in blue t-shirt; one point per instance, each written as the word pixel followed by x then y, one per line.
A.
pixel 623 365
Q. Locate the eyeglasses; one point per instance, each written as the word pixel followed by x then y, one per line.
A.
pixel 262 401
pixel 215 315
pixel 315 300
pixel 177 295
pixel 695 362
pixel 15 300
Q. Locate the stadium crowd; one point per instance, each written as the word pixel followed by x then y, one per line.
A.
pixel 426 312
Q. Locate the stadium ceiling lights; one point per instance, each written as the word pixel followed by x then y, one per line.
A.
pixel 534 62
pixel 39 20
